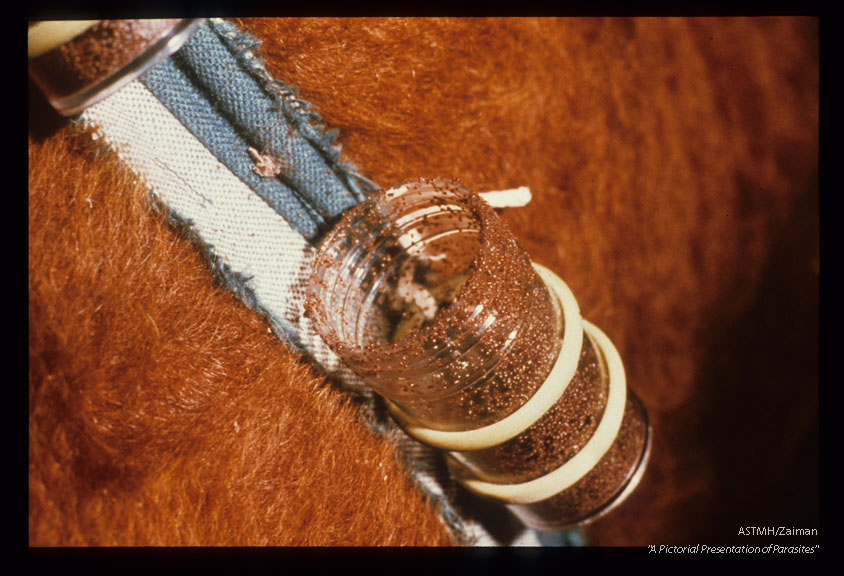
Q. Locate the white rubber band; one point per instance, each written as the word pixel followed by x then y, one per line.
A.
pixel 44 36
pixel 598 445
pixel 551 390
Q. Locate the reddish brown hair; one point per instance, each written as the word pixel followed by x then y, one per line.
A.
pixel 673 165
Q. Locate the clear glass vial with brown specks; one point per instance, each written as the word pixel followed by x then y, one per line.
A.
pixel 77 63
pixel 424 292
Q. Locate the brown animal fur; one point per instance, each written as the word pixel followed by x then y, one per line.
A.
pixel 673 164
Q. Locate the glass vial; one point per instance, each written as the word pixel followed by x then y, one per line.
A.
pixel 424 292
pixel 77 63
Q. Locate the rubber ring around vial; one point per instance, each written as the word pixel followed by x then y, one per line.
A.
pixel 585 460
pixel 531 411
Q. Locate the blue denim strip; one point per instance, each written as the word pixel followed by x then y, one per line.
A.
pixel 177 93
pixel 298 112
pixel 218 88
pixel 307 122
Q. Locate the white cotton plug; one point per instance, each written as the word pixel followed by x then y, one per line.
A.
pixel 513 198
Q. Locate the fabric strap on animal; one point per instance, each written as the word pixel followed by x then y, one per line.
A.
pixel 247 171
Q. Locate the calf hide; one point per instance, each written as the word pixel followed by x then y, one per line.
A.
pixel 673 165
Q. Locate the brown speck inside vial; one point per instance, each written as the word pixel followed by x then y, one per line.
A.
pixel 95 54
pixel 601 486
pixel 556 437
